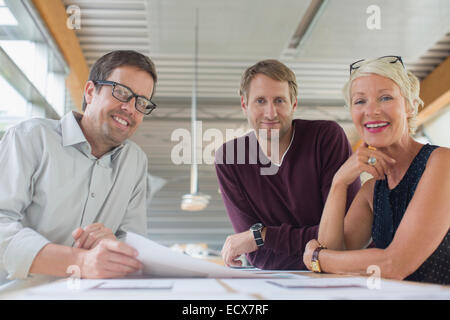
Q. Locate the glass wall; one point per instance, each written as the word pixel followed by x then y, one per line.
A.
pixel 32 70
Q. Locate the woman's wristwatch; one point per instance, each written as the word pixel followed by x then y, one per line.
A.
pixel 315 265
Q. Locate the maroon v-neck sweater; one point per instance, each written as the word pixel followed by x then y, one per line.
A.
pixel 290 202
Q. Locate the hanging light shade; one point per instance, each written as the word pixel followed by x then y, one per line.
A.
pixel 194 201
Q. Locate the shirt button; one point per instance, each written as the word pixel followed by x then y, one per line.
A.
pixel 92 194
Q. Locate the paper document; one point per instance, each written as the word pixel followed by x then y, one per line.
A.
pixel 160 261
pixel 320 283
pixel 135 284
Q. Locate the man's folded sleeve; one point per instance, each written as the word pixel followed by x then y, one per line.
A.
pixel 18 245
pixel 18 249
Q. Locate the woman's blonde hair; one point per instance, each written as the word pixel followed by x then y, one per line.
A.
pixel 407 82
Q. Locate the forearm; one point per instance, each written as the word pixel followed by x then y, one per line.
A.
pixel 287 239
pixel 55 259
pixel 331 229
pixel 357 262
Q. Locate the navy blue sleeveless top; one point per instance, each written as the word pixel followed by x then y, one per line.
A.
pixel 389 207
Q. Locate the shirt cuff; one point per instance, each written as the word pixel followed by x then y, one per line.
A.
pixel 269 240
pixel 21 251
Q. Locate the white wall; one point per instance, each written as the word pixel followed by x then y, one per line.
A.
pixel 438 129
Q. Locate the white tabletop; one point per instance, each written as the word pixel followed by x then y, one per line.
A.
pixel 278 285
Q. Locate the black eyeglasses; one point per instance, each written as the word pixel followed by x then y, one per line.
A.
pixel 125 94
pixel 391 59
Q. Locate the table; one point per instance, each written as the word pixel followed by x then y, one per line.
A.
pixel 276 285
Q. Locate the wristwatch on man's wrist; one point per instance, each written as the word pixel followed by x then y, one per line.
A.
pixel 315 265
pixel 256 229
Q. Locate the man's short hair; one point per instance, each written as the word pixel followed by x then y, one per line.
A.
pixel 275 70
pixel 105 65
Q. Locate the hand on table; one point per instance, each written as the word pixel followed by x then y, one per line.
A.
pixel 236 245
pixel 309 249
pixel 109 259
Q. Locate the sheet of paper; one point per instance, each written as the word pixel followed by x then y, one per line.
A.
pixel 136 284
pixel 319 283
pixel 65 286
pixel 135 289
pixel 279 274
pixel 160 261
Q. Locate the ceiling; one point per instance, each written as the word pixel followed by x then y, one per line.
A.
pixel 233 35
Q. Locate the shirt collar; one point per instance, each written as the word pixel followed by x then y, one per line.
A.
pixel 285 152
pixel 73 135
pixel 71 130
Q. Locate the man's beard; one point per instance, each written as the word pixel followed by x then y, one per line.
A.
pixel 110 137
pixel 267 134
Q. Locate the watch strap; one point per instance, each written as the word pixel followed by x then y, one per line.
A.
pixel 315 264
pixel 256 230
pixel 258 238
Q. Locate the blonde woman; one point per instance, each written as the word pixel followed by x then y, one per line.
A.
pixel 405 208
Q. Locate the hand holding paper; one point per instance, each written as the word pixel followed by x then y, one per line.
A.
pixel 160 261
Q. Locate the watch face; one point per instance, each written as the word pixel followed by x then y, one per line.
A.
pixel 315 266
pixel 257 226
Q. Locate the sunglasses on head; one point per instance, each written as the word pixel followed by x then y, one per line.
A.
pixel 392 59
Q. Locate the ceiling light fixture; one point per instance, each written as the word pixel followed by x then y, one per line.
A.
pixel 194 201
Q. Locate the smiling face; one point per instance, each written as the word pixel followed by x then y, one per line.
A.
pixel 268 106
pixel 108 122
pixel 378 110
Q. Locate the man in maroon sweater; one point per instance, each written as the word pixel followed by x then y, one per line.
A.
pixel 275 180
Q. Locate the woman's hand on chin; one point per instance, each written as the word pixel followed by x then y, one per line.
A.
pixel 359 162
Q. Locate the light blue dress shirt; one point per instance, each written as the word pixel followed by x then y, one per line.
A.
pixel 51 184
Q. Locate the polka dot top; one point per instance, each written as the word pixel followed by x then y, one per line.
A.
pixel 389 207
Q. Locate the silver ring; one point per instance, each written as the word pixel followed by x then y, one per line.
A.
pixel 372 161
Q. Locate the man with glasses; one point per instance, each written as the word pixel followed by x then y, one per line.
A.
pixel 70 189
